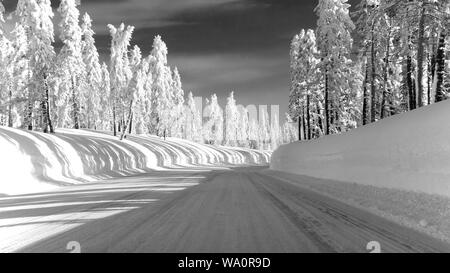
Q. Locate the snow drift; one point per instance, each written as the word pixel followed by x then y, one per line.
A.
pixel 409 151
pixel 32 161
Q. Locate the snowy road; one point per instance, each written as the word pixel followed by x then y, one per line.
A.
pixel 239 210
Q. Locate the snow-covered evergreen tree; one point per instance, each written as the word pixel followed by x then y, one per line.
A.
pixel 162 97
pixel 335 44
pixel 120 73
pixel 135 88
pixel 177 127
pixel 264 129
pixel 243 127
pixel 17 76
pixel 91 99
pixel 6 54
pixel 295 96
pixel 193 126
pixel 70 67
pixel 307 93
pixel 104 108
pixel 289 131
pixel 231 121
pixel 213 127
pixel 2 19
pixel 142 97
pixel 36 16
pixel 253 134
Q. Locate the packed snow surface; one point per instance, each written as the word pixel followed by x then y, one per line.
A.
pixel 33 162
pixel 409 152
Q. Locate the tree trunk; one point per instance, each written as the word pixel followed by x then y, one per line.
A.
pixel 410 85
pixel 300 129
pixel 29 111
pixel 43 118
pixel 385 82
pixel 429 78
pixel 47 104
pixel 114 118
pixel 128 123
pixel 29 118
pixel 372 78
pixel 433 64
pixel 308 115
pixel 326 111
pixel 366 79
pixel 320 121
pixel 75 117
pixel 48 126
pixel 420 56
pixel 440 69
pixel 10 121
pixel 130 129
pixel 304 124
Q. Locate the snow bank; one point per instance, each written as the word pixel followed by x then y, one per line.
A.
pixel 409 151
pixel 32 161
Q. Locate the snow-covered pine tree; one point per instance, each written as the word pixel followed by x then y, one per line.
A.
pixel 334 29
pixel 231 121
pixel 253 134
pixel 6 53
pixel 295 96
pixel 18 75
pixel 213 127
pixel 162 99
pixel 146 99
pixel 177 127
pixel 442 53
pixel 243 127
pixel 104 109
pixel 91 99
pixel 70 67
pixel 289 131
pixel 193 126
pixel 368 27
pixel 120 72
pixel 264 129
pixel 135 88
pixel 432 15
pixel 2 19
pixel 309 80
pixel 36 16
pixel 142 99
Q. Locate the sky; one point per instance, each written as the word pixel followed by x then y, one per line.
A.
pixel 219 46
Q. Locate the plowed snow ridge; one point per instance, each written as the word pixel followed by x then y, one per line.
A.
pixel 34 162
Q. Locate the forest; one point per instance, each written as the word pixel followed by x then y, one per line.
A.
pixel 43 87
pixel 360 65
pixel 367 63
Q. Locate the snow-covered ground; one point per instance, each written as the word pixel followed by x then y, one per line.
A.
pixel 408 152
pixel 34 162
pixel 398 168
pixel 427 213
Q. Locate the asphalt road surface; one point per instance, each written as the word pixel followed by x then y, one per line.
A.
pixel 196 210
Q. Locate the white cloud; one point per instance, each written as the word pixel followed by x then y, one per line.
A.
pixel 231 70
pixel 143 13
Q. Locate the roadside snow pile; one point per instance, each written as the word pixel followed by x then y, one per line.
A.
pixel 409 151
pixel 31 161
